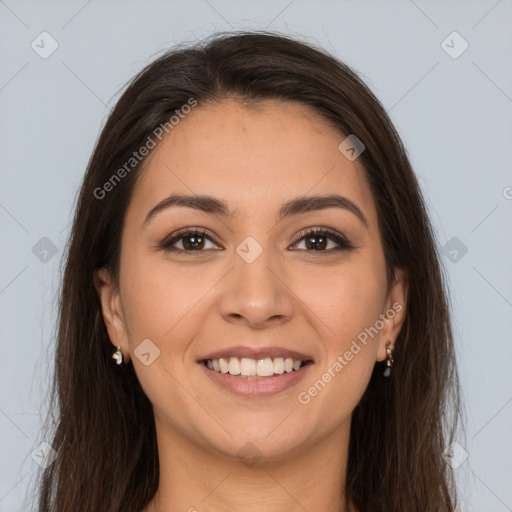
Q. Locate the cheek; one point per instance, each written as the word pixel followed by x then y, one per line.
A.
pixel 162 306
pixel 347 299
pixel 158 295
pixel 350 306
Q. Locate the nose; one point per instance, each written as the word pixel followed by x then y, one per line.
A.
pixel 255 293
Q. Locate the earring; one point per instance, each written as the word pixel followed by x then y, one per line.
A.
pixel 118 356
pixel 389 360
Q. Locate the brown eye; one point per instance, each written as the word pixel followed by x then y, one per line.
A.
pixel 317 240
pixel 192 240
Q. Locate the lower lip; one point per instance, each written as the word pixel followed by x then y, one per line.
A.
pixel 256 388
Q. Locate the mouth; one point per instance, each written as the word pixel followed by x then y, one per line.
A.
pixel 255 369
pixel 256 373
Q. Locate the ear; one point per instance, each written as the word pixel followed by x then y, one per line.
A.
pixel 394 312
pixel 112 311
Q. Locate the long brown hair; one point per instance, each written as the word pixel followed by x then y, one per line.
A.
pixel 101 423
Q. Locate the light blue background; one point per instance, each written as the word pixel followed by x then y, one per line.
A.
pixel 454 115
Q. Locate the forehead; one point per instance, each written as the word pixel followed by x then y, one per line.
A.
pixel 252 157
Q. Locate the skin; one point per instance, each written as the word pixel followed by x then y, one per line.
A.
pixel 255 159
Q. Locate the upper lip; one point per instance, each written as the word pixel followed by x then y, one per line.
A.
pixel 256 353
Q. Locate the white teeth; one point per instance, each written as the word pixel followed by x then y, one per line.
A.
pixel 234 366
pixel 265 367
pixel 278 365
pixel 224 366
pixel 247 367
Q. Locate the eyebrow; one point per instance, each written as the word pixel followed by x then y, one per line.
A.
pixel 212 205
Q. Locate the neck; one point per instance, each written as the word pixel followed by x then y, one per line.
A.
pixel 194 478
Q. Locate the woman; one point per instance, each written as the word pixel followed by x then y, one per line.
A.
pixel 253 313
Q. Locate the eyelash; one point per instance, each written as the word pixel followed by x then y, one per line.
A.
pixel 343 243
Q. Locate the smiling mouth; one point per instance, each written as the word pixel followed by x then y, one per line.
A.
pixel 255 369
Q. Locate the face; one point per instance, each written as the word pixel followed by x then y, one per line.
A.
pixel 250 284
